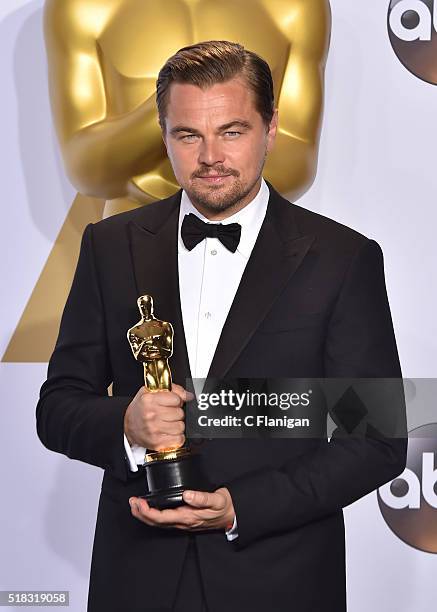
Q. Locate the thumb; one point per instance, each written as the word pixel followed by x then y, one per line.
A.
pixel 184 394
pixel 198 499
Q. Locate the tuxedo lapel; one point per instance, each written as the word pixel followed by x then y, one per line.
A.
pixel 154 249
pixel 277 253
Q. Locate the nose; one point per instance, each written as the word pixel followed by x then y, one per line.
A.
pixel 210 152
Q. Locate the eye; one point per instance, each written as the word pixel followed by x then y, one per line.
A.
pixel 232 134
pixel 188 137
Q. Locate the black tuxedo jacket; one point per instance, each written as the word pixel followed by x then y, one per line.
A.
pixel 312 302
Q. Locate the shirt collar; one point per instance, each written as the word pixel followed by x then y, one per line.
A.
pixel 250 218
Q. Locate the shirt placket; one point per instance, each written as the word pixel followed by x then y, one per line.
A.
pixel 207 336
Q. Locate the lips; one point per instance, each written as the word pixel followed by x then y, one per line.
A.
pixel 214 178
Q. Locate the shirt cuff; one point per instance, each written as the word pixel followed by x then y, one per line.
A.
pixel 232 533
pixel 135 454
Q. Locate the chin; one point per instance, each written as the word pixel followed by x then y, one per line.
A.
pixel 216 198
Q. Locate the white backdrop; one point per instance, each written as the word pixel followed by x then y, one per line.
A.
pixel 376 173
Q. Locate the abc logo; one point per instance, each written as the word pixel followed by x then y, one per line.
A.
pixel 409 503
pixel 412 28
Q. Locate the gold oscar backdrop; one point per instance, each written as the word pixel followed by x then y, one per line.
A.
pixel 103 60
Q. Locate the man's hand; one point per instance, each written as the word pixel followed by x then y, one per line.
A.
pixel 155 419
pixel 202 511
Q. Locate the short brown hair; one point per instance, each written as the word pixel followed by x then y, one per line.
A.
pixel 216 61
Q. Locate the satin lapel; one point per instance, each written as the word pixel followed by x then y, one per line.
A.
pixel 278 252
pixel 153 240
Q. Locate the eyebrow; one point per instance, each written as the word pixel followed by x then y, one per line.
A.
pixel 237 122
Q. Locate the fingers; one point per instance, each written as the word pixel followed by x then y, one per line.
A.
pixel 178 518
pixel 156 419
pixel 202 499
pixel 186 396
pixel 166 433
pixel 164 418
pixel 171 428
pixel 163 398
pixel 167 396
pixel 171 414
pixel 211 516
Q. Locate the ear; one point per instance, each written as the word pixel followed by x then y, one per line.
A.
pixel 272 129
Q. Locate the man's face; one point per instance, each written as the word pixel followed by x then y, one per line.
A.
pixel 217 144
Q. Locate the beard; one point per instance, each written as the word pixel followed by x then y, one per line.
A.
pixel 218 198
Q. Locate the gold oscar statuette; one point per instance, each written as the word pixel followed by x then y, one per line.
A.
pixel 169 471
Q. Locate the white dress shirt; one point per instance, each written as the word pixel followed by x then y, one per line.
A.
pixel 209 276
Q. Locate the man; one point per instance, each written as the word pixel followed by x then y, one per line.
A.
pixel 297 295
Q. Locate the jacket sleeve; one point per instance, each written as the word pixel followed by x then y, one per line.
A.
pixel 360 343
pixel 74 415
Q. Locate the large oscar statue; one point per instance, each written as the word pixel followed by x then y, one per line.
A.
pixel 169 471
pixel 103 60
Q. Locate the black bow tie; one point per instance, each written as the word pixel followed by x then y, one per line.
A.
pixel 194 230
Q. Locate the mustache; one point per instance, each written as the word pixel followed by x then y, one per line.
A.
pixel 220 171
